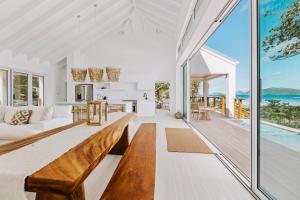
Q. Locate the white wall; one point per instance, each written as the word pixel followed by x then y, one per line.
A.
pixel 21 63
pixel 144 56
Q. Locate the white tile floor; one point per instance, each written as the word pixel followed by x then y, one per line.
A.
pixel 179 176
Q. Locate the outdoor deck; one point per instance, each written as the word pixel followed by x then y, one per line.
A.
pixel 277 162
pixel 233 142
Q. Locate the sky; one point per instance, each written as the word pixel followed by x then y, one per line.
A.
pixel 232 38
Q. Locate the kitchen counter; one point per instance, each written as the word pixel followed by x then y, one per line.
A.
pixel 127 105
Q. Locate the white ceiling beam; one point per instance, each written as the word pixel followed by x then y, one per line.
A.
pixel 2 1
pixel 19 13
pixel 167 5
pixel 156 14
pixel 160 8
pixel 52 23
pixel 70 26
pixel 153 23
pixel 158 20
pixel 175 2
pixel 20 31
pixel 109 26
pixel 86 25
pixel 86 29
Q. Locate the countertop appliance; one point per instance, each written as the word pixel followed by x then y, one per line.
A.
pixel 83 92
pixel 134 104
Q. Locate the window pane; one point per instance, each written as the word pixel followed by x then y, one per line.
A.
pixel 279 127
pixel 3 87
pixel 37 90
pixel 20 89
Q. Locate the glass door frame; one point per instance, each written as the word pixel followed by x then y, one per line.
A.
pixel 255 100
pixel 186 77
pixel 8 71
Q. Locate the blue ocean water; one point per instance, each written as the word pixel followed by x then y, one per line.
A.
pixel 292 99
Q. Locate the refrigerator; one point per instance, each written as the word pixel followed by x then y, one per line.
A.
pixel 83 92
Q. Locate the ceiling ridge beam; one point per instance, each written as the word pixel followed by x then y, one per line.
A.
pixel 69 39
pixel 19 13
pixel 46 27
pixel 10 42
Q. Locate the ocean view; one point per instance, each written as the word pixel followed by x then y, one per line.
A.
pixel 292 99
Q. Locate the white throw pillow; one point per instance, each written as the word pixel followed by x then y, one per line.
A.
pixel 48 113
pixel 37 113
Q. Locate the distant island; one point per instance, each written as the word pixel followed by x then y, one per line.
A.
pixel 274 91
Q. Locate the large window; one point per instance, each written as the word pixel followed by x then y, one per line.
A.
pixel 3 87
pixel 279 109
pixel 20 89
pixel 37 90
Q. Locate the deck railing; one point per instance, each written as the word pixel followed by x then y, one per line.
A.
pixel 218 104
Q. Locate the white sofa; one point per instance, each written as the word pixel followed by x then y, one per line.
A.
pixel 42 119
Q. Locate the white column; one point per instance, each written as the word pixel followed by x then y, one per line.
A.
pixel 230 94
pixel 205 91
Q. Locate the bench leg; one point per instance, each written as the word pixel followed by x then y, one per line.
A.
pixel 121 146
pixel 79 194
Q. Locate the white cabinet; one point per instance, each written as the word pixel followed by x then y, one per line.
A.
pixel 146 107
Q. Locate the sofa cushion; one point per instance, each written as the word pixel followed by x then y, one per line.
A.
pixel 47 114
pixel 9 132
pixel 62 111
pixel 2 113
pixel 21 117
pixel 37 113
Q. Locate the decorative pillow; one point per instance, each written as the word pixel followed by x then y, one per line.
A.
pixel 10 112
pixel 37 113
pixel 48 113
pixel 21 117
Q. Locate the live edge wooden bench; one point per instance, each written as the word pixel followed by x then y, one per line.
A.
pixel 134 178
pixel 63 178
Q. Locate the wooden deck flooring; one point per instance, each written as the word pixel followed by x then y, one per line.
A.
pixel 279 165
pixel 232 141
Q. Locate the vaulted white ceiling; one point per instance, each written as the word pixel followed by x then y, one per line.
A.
pixel 50 29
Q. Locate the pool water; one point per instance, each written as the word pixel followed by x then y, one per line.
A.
pixel 281 136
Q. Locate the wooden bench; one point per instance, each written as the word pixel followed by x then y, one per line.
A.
pixel 134 178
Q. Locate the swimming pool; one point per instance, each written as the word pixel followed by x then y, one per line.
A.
pixel 281 136
pixel 278 135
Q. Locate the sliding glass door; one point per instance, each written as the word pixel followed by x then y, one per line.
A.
pixel 279 99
